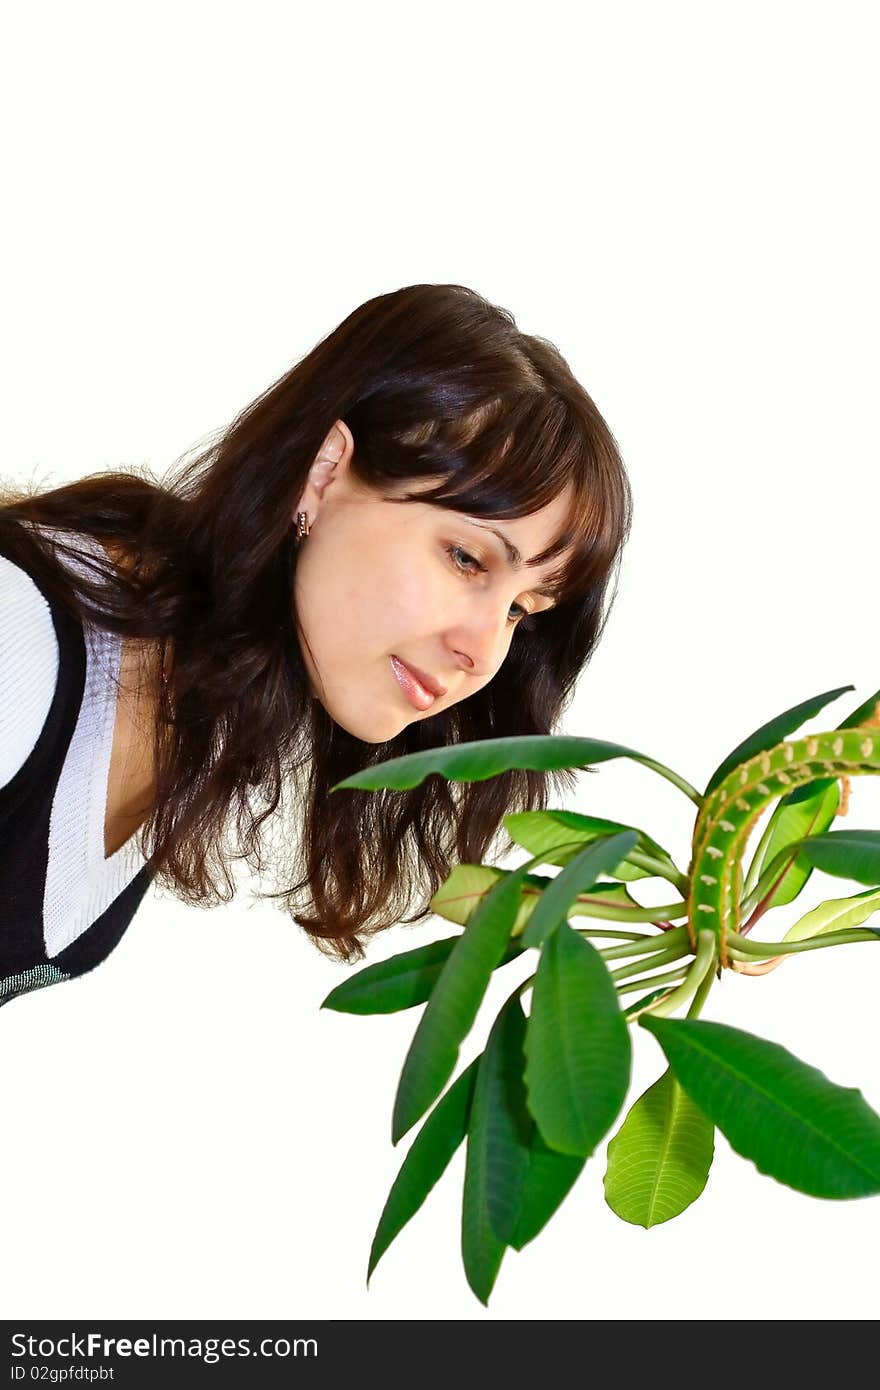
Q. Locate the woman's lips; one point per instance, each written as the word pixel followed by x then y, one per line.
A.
pixel 411 686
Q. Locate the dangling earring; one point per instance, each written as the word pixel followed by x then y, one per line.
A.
pixel 302 524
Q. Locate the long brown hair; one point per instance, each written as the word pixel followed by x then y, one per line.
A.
pixel 431 380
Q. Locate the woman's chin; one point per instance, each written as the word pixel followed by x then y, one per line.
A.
pixel 369 726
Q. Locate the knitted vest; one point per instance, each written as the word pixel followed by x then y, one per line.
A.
pixel 25 812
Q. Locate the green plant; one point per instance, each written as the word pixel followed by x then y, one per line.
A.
pixel 547 1088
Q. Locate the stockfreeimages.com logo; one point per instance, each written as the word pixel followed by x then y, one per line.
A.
pixel 208 1349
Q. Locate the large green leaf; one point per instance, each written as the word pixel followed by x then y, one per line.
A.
pixel 577 1045
pixel 786 1116
pixel 481 1250
pixel 427 1160
pixel 464 888
pixel 773 732
pixel 549 1178
pixel 659 1159
pixel 512 1175
pixel 400 982
pixel 558 835
pixel 857 717
pixel 846 854
pixel 552 907
pixel 499 1131
pixel 481 759
pixel 454 1002
pixel 792 821
pixel 836 914
pixel 467 885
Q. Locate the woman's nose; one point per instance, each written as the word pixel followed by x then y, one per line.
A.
pixel 480 644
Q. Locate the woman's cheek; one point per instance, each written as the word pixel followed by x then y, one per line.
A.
pixel 418 600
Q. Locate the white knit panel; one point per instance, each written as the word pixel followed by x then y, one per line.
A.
pixel 28 666
pixel 80 883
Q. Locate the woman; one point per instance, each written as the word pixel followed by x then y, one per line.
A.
pixel 405 542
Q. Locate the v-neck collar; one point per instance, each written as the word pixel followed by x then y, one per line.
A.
pixel 80 883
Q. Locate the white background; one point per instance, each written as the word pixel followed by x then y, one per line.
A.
pixel 683 198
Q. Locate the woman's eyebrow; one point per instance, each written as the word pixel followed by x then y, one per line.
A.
pixel 514 556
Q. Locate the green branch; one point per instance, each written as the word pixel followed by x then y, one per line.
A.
pixel 674 936
pixel 658 869
pixel 674 952
pixel 743 946
pixel 696 976
pixel 670 976
pixel 675 779
pixel 664 912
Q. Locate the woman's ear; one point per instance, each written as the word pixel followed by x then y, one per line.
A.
pixel 331 459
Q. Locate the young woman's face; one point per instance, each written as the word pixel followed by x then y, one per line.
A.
pixel 383 586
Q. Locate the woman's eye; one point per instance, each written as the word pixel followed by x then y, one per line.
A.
pixel 457 555
pixel 455 551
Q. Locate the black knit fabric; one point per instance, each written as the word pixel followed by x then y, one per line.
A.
pixel 25 810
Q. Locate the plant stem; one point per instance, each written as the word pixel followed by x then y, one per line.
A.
pixel 699 998
pixel 620 935
pixel 755 866
pixel 646 944
pixel 760 895
pixel 700 969
pixel 744 947
pixel 762 907
pixel 657 915
pixel 663 912
pixel 674 778
pixel 640 859
pixel 674 952
pixel 658 869
pixel 669 977
pixel 771 877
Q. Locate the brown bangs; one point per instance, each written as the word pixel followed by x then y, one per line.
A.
pixel 506 460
